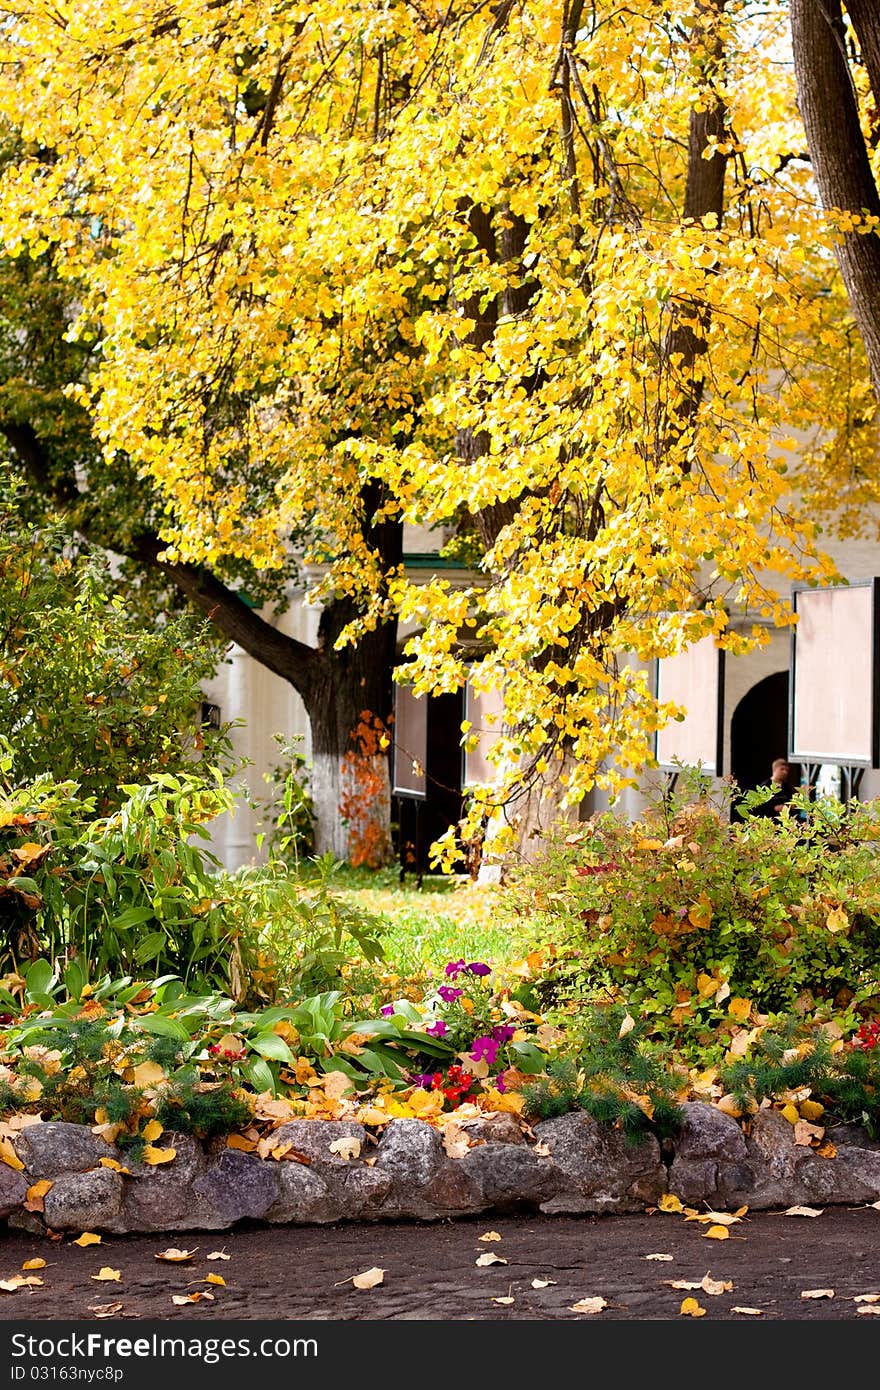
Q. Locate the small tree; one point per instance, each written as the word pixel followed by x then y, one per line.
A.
pixel 87 692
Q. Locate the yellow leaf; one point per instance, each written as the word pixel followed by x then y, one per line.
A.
pixel 88 1238
pixel 669 1202
pixel 817 1293
pixel 215 1279
pixel 147 1074
pixel 690 1308
pixel 336 1084
pixel 175 1256
pixel 198 1297
pixel 749 1312
pixel 489 1258
pixel 811 1109
pixel 791 1113
pixel 502 1103
pixel 489 1236
pixel 369 1279
pixel 827 1150
pixel 154 1156
pixel 34 1264
pixel 803 1211
pixel 729 1106
pixel 739 1009
pixel 107 1275
pixel 589 1305
pixel 627 1025
pixel 505 1301
pixel 346 1148
pixel 218 1255
pixel 649 844
pixel 112 1164
pixel 717 1233
pixel 542 1283
pixel 9 1156
pixel 715 1286
pixel 151 1130
pixel 19 1281
pixel 238 1141
pixel 657 1257
pixel 867 1298
pixel 837 920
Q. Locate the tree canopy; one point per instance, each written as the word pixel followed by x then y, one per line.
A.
pixel 549 274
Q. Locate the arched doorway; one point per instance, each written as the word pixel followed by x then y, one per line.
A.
pixel 759 733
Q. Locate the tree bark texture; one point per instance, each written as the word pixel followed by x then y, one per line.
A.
pixel 829 110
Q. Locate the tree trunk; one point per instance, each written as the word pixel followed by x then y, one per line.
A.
pixel 348 701
pixel 829 110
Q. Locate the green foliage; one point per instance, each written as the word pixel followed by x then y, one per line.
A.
pixel 289 810
pixel 203 1111
pixel 700 926
pixel 87 693
pixel 846 1081
pixel 609 1070
pixel 318 938
pixel 126 894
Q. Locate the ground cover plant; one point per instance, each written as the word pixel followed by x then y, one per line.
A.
pixel 671 958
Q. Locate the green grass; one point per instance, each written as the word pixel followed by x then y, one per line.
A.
pixel 443 920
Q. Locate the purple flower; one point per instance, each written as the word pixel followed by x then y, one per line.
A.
pixel 387 1010
pixel 503 1032
pixel 424 1079
pixel 478 967
pixel 448 994
pixel 455 967
pixel 485 1049
pixel 499 1083
pixel 437 1030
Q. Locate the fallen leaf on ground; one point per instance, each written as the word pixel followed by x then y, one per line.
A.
pixel 175 1256
pixel 803 1211
pixel 684 1283
pixel 690 1308
pixel 151 1130
pixel 506 1300
pixel 88 1238
pixel 218 1255
pixel 9 1156
pixel 19 1281
pixel 867 1308
pixel 490 1258
pixel 715 1286
pixel 859 1298
pixel 369 1279
pixel 489 1235
pixel 817 1293
pixel 669 1202
pixel 114 1165
pixel 238 1141
pixel 107 1275
pixel 657 1257
pixel 198 1297
pixel 542 1283
pixel 105 1310
pixel 346 1148
pixel 589 1305
pixel 153 1156
pixel 36 1194
pixel 749 1312
pixel 717 1233
pixel 716 1218
pixel 875 1205
pixel 215 1279
pixel 34 1264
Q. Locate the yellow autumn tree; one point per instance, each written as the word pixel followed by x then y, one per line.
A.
pixel 549 274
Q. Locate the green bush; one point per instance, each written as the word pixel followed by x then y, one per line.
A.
pixel 89 692
pixel 700 927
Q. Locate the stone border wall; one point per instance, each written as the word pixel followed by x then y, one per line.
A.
pixel 574 1165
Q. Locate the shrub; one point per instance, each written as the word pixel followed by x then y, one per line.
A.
pixel 702 927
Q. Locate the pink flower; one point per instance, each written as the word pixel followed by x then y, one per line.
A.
pixel 485 1049
pixel 437 1030
pixel 387 1010
pixel 448 994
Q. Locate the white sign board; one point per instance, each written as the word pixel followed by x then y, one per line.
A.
pixel 484 711
pixel 410 743
pixel 694 679
pixel 834 670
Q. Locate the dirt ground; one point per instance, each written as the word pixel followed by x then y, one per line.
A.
pixel 430 1271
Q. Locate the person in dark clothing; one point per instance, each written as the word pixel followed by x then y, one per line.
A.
pixel 781 780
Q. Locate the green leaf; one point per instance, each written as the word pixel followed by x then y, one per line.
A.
pixel 74 979
pixel 39 978
pixel 271 1045
pixel 163 1027
pixel 259 1074
pixel 150 946
pixel 133 917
